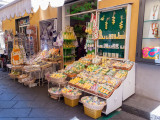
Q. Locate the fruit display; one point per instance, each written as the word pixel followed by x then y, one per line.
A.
pixel 92 100
pixel 71 91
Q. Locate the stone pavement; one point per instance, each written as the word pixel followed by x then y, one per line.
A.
pixel 18 102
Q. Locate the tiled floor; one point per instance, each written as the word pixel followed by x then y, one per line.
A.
pixel 18 102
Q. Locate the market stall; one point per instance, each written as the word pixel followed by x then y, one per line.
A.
pixel 106 71
pixel 108 79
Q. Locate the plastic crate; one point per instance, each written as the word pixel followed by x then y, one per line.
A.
pixel 92 113
pixel 70 102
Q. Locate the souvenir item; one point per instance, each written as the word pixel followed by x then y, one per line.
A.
pixel 59 41
pixel 106 23
pixel 151 52
pixel 102 19
pixel 155 8
pixel 16 55
pixel 121 23
pixel 58 75
pixel 100 34
pixel 113 18
pixel 95 29
pixel 23 53
pixel 71 91
pixel 93 100
pixel 155 27
pixel 55 90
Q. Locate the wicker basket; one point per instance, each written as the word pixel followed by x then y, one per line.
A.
pixel 55 95
pixel 55 80
pixel 29 81
pixel 71 84
pixel 125 68
pixel 13 76
pixel 72 97
pixel 71 103
pixel 92 113
pixel 72 75
pixel 20 78
pixel 94 107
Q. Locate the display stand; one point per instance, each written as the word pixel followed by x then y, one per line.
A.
pixel 34 72
pixel 125 90
pixel 120 35
pixel 59 86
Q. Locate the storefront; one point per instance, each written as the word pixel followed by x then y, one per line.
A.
pixel 148 50
pixel 98 45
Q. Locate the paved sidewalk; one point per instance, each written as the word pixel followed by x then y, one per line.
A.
pixel 18 102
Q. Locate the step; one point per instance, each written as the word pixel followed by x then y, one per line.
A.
pixel 142 106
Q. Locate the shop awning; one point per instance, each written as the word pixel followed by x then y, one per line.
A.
pixel 19 7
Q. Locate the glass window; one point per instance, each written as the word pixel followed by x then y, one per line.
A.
pixel 151 30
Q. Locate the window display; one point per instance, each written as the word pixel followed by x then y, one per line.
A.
pixel 112 32
pixel 148 50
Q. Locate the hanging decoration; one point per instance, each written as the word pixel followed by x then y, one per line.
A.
pixel 155 8
pixel 95 29
pixel 113 18
pixel 106 23
pixel 121 23
pixel 102 18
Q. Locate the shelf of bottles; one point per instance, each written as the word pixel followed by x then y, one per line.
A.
pixel 69 45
